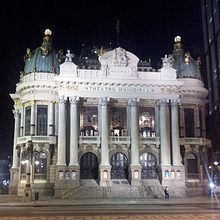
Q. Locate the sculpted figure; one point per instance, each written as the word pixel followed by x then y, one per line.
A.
pixel 167 60
pixel 69 56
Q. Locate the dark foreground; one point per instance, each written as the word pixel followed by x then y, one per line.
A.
pixel 12 208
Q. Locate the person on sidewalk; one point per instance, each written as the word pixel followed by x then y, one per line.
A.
pixel 167 196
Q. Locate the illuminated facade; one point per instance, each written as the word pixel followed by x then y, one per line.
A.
pixel 115 121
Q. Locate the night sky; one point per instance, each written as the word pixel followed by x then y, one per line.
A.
pixel 147 29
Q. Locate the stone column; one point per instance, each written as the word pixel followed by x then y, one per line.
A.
pixel 22 122
pixel 74 140
pixel 175 134
pixel 74 131
pixel 156 120
pixel 182 122
pixel 56 118
pixel 16 134
pixel 165 134
pixel 203 122
pixel 134 127
pixel 61 154
pixel 51 119
pixel 105 167
pixel 197 122
pixel 32 126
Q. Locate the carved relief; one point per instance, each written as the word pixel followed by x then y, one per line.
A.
pixel 120 57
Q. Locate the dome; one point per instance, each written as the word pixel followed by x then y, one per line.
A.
pixel 185 65
pixel 42 59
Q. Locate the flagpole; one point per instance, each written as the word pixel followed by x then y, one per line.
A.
pixel 118 32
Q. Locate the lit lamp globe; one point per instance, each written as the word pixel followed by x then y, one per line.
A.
pixel 216 163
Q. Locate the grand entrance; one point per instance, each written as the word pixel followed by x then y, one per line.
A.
pixel 149 166
pixel 89 166
pixel 119 163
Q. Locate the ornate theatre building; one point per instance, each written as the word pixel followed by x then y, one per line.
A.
pixel 108 124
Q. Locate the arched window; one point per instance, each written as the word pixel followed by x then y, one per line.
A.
pixel 149 166
pixel 89 167
pixel 119 169
pixel 40 166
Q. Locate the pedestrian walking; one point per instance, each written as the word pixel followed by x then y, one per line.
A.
pixel 167 196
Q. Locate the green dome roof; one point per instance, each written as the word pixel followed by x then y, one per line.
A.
pixel 184 64
pixel 42 59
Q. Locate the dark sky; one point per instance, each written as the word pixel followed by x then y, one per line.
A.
pixel 147 29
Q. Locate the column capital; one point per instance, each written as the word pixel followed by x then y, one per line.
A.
pixel 104 101
pixel 133 101
pixel 163 102
pixel 74 100
pixel 174 102
pixel 62 100
pixel 16 113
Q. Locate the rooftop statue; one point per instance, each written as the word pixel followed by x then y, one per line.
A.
pixel 46 45
pixel 184 64
pixel 28 54
pixel 69 56
pixel 167 60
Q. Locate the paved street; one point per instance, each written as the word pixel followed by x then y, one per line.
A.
pixel 55 209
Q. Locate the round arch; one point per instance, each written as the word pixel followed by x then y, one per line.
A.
pixel 89 167
pixel 149 166
pixel 119 166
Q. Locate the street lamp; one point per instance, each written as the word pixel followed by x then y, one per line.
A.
pixel 28 161
pixel 215 163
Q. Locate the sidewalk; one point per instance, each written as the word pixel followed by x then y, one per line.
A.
pixel 8 200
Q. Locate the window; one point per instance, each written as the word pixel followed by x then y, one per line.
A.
pixel 147 122
pixel 189 122
pixel 192 166
pixel 41 120
pixel 40 166
pixel 27 120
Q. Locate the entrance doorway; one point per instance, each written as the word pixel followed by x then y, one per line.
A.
pixel 89 166
pixel 149 166
pixel 119 163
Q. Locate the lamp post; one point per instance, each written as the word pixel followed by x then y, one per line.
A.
pixel 28 161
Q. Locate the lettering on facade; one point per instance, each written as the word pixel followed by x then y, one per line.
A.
pixel 118 89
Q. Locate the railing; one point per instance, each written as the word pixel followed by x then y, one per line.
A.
pixel 150 140
pixel 89 139
pixel 119 140
pixel 36 139
pixel 193 176
pixel 40 176
pixel 199 141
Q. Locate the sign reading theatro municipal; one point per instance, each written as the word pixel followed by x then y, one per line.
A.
pixel 94 127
